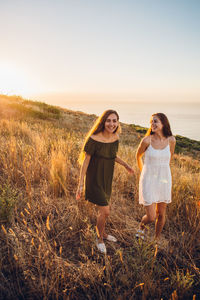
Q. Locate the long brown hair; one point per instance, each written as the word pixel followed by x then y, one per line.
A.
pixel 98 126
pixel 166 130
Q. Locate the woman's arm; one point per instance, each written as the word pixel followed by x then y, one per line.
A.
pixel 140 151
pixel 82 175
pixel 124 164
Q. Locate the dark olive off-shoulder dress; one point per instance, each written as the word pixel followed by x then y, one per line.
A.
pixel 99 175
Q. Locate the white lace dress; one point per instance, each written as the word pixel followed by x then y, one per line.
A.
pixel 155 180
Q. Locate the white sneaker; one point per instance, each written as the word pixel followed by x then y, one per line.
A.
pixel 101 247
pixel 140 234
pixel 111 238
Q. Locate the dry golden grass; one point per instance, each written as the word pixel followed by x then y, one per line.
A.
pixel 48 238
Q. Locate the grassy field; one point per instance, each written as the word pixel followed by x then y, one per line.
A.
pixel 47 238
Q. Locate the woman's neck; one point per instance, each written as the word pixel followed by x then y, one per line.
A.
pixel 107 135
pixel 159 136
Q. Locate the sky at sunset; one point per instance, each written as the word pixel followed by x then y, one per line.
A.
pixel 146 50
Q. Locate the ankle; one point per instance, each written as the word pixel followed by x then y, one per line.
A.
pixel 100 240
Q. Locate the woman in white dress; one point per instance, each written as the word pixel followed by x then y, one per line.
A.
pixel 155 180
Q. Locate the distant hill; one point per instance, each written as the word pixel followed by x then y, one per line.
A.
pixel 16 106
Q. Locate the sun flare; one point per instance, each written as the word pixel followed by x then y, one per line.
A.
pixel 14 80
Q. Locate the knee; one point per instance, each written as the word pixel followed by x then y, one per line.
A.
pixel 152 218
pixel 105 212
pixel 161 216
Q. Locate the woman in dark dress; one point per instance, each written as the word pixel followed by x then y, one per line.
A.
pixel 98 159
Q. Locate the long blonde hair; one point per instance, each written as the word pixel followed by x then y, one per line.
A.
pixel 98 126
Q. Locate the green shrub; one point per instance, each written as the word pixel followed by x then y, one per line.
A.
pixel 184 142
pixel 139 129
pixel 46 108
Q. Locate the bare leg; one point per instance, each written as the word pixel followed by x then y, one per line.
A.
pixel 160 220
pixel 150 215
pixel 104 212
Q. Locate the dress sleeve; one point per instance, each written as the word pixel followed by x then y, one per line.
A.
pixel 89 147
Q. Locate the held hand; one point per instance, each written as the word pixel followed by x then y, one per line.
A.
pixel 130 170
pixel 79 192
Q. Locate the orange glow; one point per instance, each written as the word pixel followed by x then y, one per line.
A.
pixel 13 80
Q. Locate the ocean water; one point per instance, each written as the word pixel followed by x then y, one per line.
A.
pixel 184 118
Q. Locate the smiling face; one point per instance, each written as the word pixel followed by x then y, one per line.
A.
pixel 156 124
pixel 111 123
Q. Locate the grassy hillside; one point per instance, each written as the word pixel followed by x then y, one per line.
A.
pixel 47 238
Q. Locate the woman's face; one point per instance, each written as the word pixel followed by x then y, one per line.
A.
pixel 111 123
pixel 156 124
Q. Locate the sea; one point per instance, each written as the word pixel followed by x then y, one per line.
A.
pixel 184 118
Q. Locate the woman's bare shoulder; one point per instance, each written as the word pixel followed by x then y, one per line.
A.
pixel 100 138
pixel 146 140
pixel 93 136
pixel 96 137
pixel 144 144
pixel 172 139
